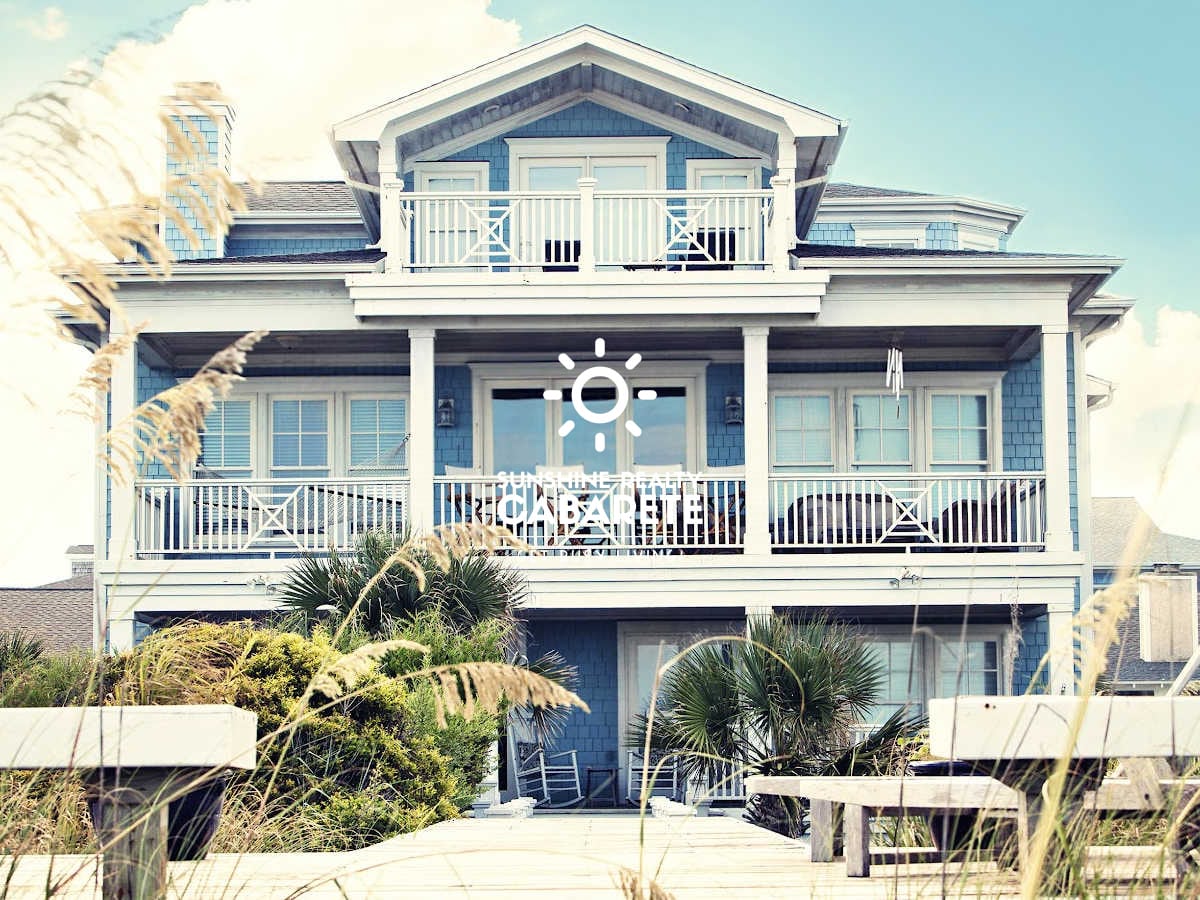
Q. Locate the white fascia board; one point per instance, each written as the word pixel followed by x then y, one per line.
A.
pixel 283 217
pixel 582 44
pixel 964 262
pixel 247 272
pixel 835 209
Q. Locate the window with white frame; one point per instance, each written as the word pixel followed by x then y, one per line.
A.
pixel 941 422
pixel 449 230
pixel 935 661
pixel 294 429
pixel 226 438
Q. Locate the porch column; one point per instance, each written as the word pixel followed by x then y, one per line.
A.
pixel 1054 438
pixel 783 223
pixel 393 220
pixel 421 405
pixel 120 543
pixel 1060 661
pixel 756 434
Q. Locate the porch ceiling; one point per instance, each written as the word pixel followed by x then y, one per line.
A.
pixel 388 347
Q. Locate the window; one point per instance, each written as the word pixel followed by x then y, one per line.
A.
pixel 959 432
pixel 378 435
pixel 664 425
pixel 299 438
pixel 803 433
pixel 969 667
pixel 226 438
pixel 903 669
pixel 882 438
pixel 449 230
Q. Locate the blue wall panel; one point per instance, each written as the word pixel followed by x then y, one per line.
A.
pixel 838 233
pixel 1035 642
pixel 1021 393
pixel 941 236
pixel 291 246
pixel 453 446
pixel 726 444
pixel 592 648
pixel 202 132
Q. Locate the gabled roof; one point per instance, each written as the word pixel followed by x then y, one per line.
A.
pixel 1114 521
pixel 841 190
pixel 316 197
pixel 592 64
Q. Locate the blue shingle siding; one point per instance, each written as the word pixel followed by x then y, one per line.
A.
pixel 203 133
pixel 454 446
pixel 592 648
pixel 838 233
pixel 1035 642
pixel 149 383
pixel 941 236
pixel 1021 403
pixel 726 444
pixel 583 120
pixel 285 246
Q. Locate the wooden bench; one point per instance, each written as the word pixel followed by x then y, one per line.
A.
pixel 855 800
pixel 134 760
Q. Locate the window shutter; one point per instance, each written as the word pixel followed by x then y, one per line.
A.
pixel 1167 617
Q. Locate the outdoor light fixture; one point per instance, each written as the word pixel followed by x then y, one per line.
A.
pixel 734 409
pixel 445 412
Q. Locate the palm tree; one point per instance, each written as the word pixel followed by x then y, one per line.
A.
pixel 781 702
pixel 375 586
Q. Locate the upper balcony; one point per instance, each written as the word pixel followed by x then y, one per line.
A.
pixel 589 230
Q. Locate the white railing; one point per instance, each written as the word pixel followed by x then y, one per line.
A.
pixel 566 231
pixel 993 510
pixel 236 516
pixel 603 514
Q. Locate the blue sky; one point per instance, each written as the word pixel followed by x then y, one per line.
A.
pixel 1083 113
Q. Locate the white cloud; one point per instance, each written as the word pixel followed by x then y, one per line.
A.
pixel 51 25
pixel 1147 442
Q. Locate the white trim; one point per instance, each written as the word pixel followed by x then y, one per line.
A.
pixel 587 148
pixel 749 167
pixel 882 235
pixel 480 171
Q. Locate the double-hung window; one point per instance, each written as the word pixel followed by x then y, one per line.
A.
pixel 882 432
pixel 378 435
pixel 803 433
pixel 226 441
pixel 299 438
pixel 958 432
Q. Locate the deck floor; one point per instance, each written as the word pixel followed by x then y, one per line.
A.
pixel 573 856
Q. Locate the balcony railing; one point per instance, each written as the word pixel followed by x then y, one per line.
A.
pixel 222 516
pixel 603 514
pixel 585 230
pixel 990 511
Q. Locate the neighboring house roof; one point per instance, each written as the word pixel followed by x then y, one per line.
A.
pixel 58 614
pixel 840 190
pixel 327 257
pixel 327 197
pixel 81 550
pixel 1114 521
pixel 808 248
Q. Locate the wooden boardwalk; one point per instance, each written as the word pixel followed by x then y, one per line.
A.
pixel 560 856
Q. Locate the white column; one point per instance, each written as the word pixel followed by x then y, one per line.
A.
pixel 587 224
pixel 1060 664
pixel 757 438
pixel 393 219
pixel 123 397
pixel 422 402
pixel 782 236
pixel 1054 438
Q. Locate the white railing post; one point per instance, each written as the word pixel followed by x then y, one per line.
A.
pixel 756 434
pixel 587 224
pixel 393 223
pixel 422 404
pixel 1054 438
pixel 122 539
pixel 781 237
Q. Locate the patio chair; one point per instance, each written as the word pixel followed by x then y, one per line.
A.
pixel 550 778
pixel 663 783
pixel 996 521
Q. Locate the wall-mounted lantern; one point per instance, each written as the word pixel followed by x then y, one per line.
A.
pixel 445 412
pixel 735 410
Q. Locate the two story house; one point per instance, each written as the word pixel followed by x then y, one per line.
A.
pixel 617 303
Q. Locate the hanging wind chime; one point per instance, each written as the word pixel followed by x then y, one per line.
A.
pixel 894 378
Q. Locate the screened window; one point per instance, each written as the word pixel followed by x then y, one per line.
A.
pixel 803 433
pixel 882 433
pixel 226 440
pixel 663 423
pixel 378 435
pixel 959 432
pixel 299 438
pixel 969 667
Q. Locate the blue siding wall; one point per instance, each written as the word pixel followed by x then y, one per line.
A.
pixel 838 233
pixel 941 236
pixel 1022 413
pixel 288 246
pixel 150 382
pixel 592 648
pixel 204 134
pixel 453 446
pixel 1035 642
pixel 726 443
pixel 584 120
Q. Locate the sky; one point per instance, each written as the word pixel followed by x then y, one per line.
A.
pixel 1082 113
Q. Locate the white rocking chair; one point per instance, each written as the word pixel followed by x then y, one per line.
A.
pixel 664 782
pixel 550 778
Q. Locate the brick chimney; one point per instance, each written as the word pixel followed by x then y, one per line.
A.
pixel 205 118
